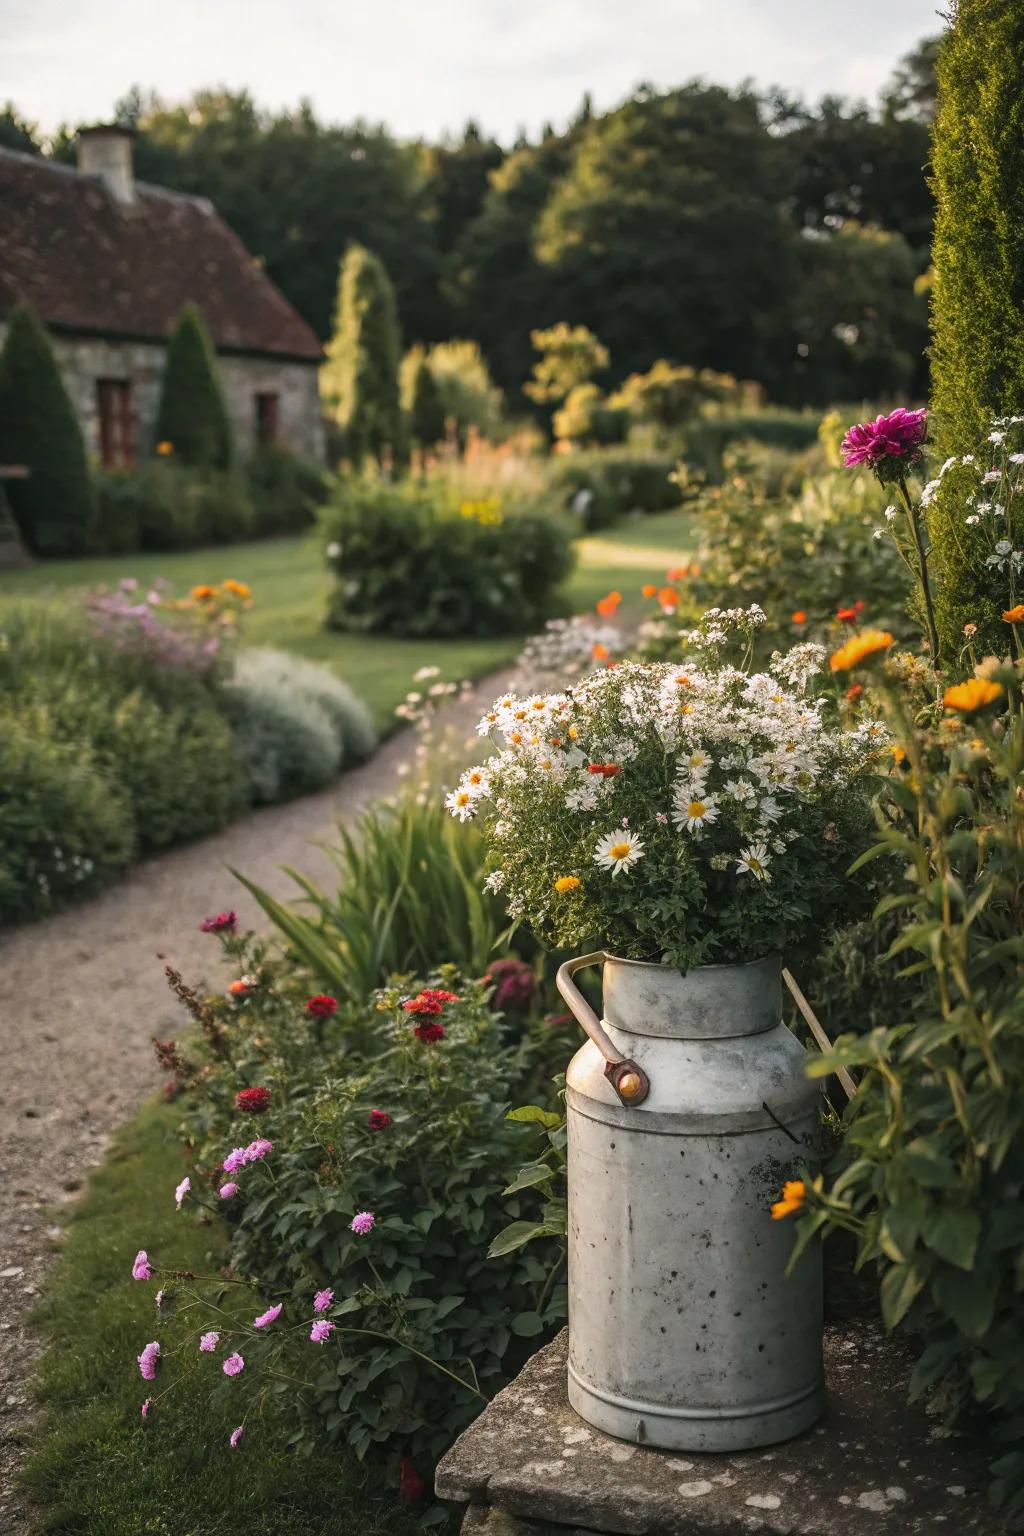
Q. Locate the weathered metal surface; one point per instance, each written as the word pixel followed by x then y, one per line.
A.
pixel 684 1329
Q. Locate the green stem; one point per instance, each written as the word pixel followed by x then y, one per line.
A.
pixel 922 561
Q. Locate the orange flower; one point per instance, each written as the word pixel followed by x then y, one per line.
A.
pixel 859 648
pixel 567 883
pixel 164 449
pixel 668 599
pixel 237 588
pixel 794 1193
pixel 238 988
pixel 899 755
pixel 606 606
pixel 972 695
pixel 600 652
pixel 854 691
pixel 1014 615
pixel 694 570
pixel 799 617
pixel 204 594
pixel 648 590
pixel 847 615
pixel 677 573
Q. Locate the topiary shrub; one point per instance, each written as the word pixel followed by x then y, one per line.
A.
pixel 407 564
pixel 360 377
pixel 281 670
pixel 55 506
pixel 285 490
pixel 285 743
pixel 421 400
pixel 193 415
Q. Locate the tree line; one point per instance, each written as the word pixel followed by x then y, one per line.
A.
pixel 736 230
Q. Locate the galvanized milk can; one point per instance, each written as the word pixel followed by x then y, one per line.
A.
pixel 687 1109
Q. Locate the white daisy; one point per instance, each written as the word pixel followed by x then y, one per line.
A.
pixel 618 850
pixel 740 790
pixel 754 861
pixel 461 804
pixel 692 808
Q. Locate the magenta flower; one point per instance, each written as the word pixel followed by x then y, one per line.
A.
pixel 234 1365
pixel 235 1159
pixel 362 1222
pixel 208 1343
pixel 148 1361
pixel 896 436
pixel 271 1315
pixel 142 1269
pixel 146 1408
pixel 182 1190
pixel 257 1149
pixel 322 1300
pixel 228 1190
pixel 222 922
pixel 235 1436
pixel 321 1331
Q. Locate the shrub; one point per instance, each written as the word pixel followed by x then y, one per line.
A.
pixel 54 507
pixel 285 490
pixel 360 376
pixel 285 741
pixel 65 827
pixel 170 506
pixel 421 400
pixel 570 355
pixel 282 672
pixel 469 396
pixel 668 396
pixel 408 565
pixel 706 439
pixel 587 418
pixel 978 251
pixel 193 414
pixel 605 486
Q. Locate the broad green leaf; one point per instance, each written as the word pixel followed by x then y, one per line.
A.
pixel 968 1298
pixel 532 1114
pixel 900 1286
pixel 513 1237
pixel 527 1324
pixel 530 1177
pixel 952 1231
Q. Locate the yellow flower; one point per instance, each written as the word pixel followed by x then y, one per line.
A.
pixel 899 754
pixel 794 1193
pixel 204 594
pixel 236 588
pixel 164 449
pixel 859 647
pixel 972 695
pixel 567 883
pixel 1014 615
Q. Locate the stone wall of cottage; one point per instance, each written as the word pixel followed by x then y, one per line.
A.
pixel 84 360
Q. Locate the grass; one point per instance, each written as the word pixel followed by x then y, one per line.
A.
pixel 96 1469
pixel 290 585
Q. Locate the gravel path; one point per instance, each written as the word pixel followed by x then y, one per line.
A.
pixel 82 994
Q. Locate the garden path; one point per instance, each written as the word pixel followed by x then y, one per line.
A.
pixel 81 996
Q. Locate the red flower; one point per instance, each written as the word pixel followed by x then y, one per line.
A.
pixel 430 1000
pixel 430 1034
pixel 378 1120
pixel 606 770
pixel 321 1006
pixel 411 1486
pixel 224 922
pixel 847 615
pixel 439 995
pixel 252 1100
pixel 855 691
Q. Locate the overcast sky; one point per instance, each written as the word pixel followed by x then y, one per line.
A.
pixel 425 66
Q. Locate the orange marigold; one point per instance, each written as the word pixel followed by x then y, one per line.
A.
pixel 567 883
pixel 1015 615
pixel 668 598
pixel 607 605
pixel 799 617
pixel 794 1193
pixel 204 594
pixel 972 695
pixel 858 648
pixel 648 589
pixel 164 448
pixel 599 652
pixel 677 572
pixel 236 588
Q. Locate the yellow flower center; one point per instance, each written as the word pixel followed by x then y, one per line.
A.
pixel 696 809
pixel 619 850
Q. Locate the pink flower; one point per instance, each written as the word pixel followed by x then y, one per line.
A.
pixel 322 1300
pixel 896 436
pixel 161 1299
pixel 208 1343
pixel 229 1190
pixel 235 1159
pixel 378 1120
pixel 235 1436
pixel 321 1331
pixel 271 1315
pixel 223 922
pixel 234 1365
pixel 142 1269
pixel 362 1222
pixel 257 1149
pixel 182 1190
pixel 148 1361
pixel 146 1408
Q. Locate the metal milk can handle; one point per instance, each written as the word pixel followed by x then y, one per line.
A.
pixel 629 1080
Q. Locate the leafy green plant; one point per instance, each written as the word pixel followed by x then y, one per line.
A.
pixel 193 416
pixel 168 504
pixel 545 1176
pixel 285 490
pixel 360 376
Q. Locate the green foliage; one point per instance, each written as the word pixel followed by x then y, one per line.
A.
pixel 930 1170
pixel 421 400
pixel 570 355
pixel 407 564
pixel 167 505
pixel 978 294
pixel 285 490
pixel 588 419
pixel 360 377
pixel 667 397
pixel 469 396
pixel 410 885
pixel 706 439
pixel 616 482
pixel 193 414
pixel 54 507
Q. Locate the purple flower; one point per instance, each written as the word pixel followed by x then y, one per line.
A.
pixel 896 436
pixel 257 1149
pixel 234 1365
pixel 362 1222
pixel 228 1190
pixel 235 1436
pixel 142 1269
pixel 321 1331
pixel 146 1407
pixel 148 1361
pixel 235 1159
pixel 322 1300
pixel 182 1190
pixel 208 1343
pixel 271 1315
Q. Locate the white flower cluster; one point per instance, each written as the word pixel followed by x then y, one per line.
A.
pixel 565 649
pixel 992 508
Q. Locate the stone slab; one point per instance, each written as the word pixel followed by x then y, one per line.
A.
pixel 529 1466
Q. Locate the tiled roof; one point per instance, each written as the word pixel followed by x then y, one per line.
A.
pixel 89 263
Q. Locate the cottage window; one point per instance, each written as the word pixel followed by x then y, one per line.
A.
pixel 266 419
pixel 117 422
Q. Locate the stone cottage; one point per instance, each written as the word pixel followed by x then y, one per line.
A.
pixel 107 262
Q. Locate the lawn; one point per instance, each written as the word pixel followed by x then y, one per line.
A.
pixel 290 585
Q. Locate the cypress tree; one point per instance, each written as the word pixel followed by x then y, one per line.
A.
pixel 426 409
pixel 193 414
pixel 55 505
pixel 978 295
pixel 361 373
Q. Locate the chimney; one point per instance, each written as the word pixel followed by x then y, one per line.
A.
pixel 106 151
